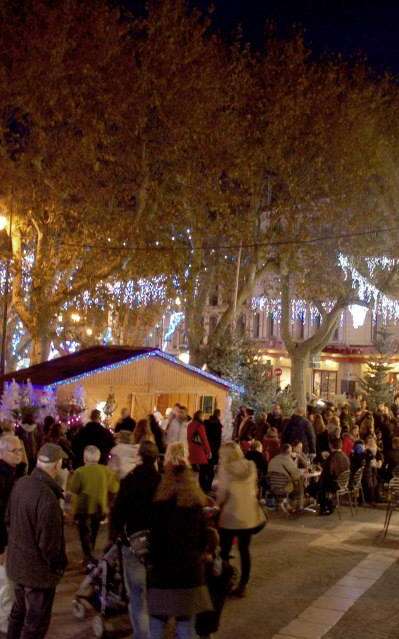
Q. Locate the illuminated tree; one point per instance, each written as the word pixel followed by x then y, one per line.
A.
pixel 80 157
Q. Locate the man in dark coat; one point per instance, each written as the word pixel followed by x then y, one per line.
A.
pixel 36 557
pixel 213 428
pixel 336 464
pixel 126 422
pixel 131 514
pixel 93 434
pixel 10 457
pixel 275 418
pixel 299 429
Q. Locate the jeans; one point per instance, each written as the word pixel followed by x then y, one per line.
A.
pixel 244 540
pixel 136 586
pixel 184 627
pixel 89 526
pixel 31 613
pixel 205 476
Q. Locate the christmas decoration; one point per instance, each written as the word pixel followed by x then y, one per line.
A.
pixel 375 382
pixel 19 403
pixel 71 411
pixel 109 406
pixel 238 360
pixel 10 401
pixel 47 404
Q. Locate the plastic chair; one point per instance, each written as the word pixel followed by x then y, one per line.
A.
pixel 393 503
pixel 356 487
pixel 343 490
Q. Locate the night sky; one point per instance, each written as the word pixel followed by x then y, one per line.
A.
pixel 336 26
pixel 348 27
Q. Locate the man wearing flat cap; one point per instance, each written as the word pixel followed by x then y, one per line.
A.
pixel 36 558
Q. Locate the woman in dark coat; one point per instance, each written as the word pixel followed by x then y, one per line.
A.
pixel 322 439
pixel 176 577
pixel 374 461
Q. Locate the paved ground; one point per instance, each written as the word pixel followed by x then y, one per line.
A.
pixel 312 577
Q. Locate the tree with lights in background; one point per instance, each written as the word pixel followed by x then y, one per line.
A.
pixel 375 382
pixel 127 194
pixel 80 181
pixel 289 180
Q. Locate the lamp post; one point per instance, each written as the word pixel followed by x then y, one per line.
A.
pixel 3 226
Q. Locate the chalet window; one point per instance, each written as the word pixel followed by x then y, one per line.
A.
pixel 207 404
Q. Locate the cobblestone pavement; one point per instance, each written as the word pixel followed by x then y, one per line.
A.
pixel 312 577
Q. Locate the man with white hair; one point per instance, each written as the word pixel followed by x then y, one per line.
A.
pixel 36 558
pixel 91 485
pixel 10 456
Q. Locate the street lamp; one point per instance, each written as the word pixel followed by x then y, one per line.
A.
pixel 4 222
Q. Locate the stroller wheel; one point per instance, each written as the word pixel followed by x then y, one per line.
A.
pixel 78 609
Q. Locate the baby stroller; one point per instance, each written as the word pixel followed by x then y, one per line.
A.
pixel 103 591
pixel 221 578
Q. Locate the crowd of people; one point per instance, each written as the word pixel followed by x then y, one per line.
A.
pixel 177 478
pixel 324 437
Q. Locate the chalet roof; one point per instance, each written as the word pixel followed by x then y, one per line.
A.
pixel 77 366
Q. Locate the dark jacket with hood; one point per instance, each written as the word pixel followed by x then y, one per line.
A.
pixel 31 439
pixel 8 477
pixel 132 508
pixel 36 547
pixel 93 434
pixel 178 533
pixel 299 429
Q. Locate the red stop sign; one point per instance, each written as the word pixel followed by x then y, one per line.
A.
pixel 278 372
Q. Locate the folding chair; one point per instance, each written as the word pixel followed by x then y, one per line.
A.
pixel 393 503
pixel 343 490
pixel 278 483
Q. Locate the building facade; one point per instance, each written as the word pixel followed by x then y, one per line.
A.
pixel 336 371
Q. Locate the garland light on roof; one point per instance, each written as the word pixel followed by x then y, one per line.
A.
pixel 143 356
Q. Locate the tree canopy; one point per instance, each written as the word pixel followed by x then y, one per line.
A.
pixel 134 148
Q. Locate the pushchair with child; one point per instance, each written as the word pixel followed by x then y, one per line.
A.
pixel 103 591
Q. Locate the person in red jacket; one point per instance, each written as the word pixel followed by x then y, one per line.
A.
pixel 271 444
pixel 199 451
pixel 349 439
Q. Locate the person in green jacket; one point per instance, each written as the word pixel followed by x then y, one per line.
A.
pixel 91 485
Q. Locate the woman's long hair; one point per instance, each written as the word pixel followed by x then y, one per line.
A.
pixel 180 483
pixel 54 433
pixel 318 424
pixel 142 431
pixel 198 416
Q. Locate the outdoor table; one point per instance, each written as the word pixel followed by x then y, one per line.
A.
pixel 307 476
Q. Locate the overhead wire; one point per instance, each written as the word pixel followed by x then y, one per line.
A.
pixel 175 245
